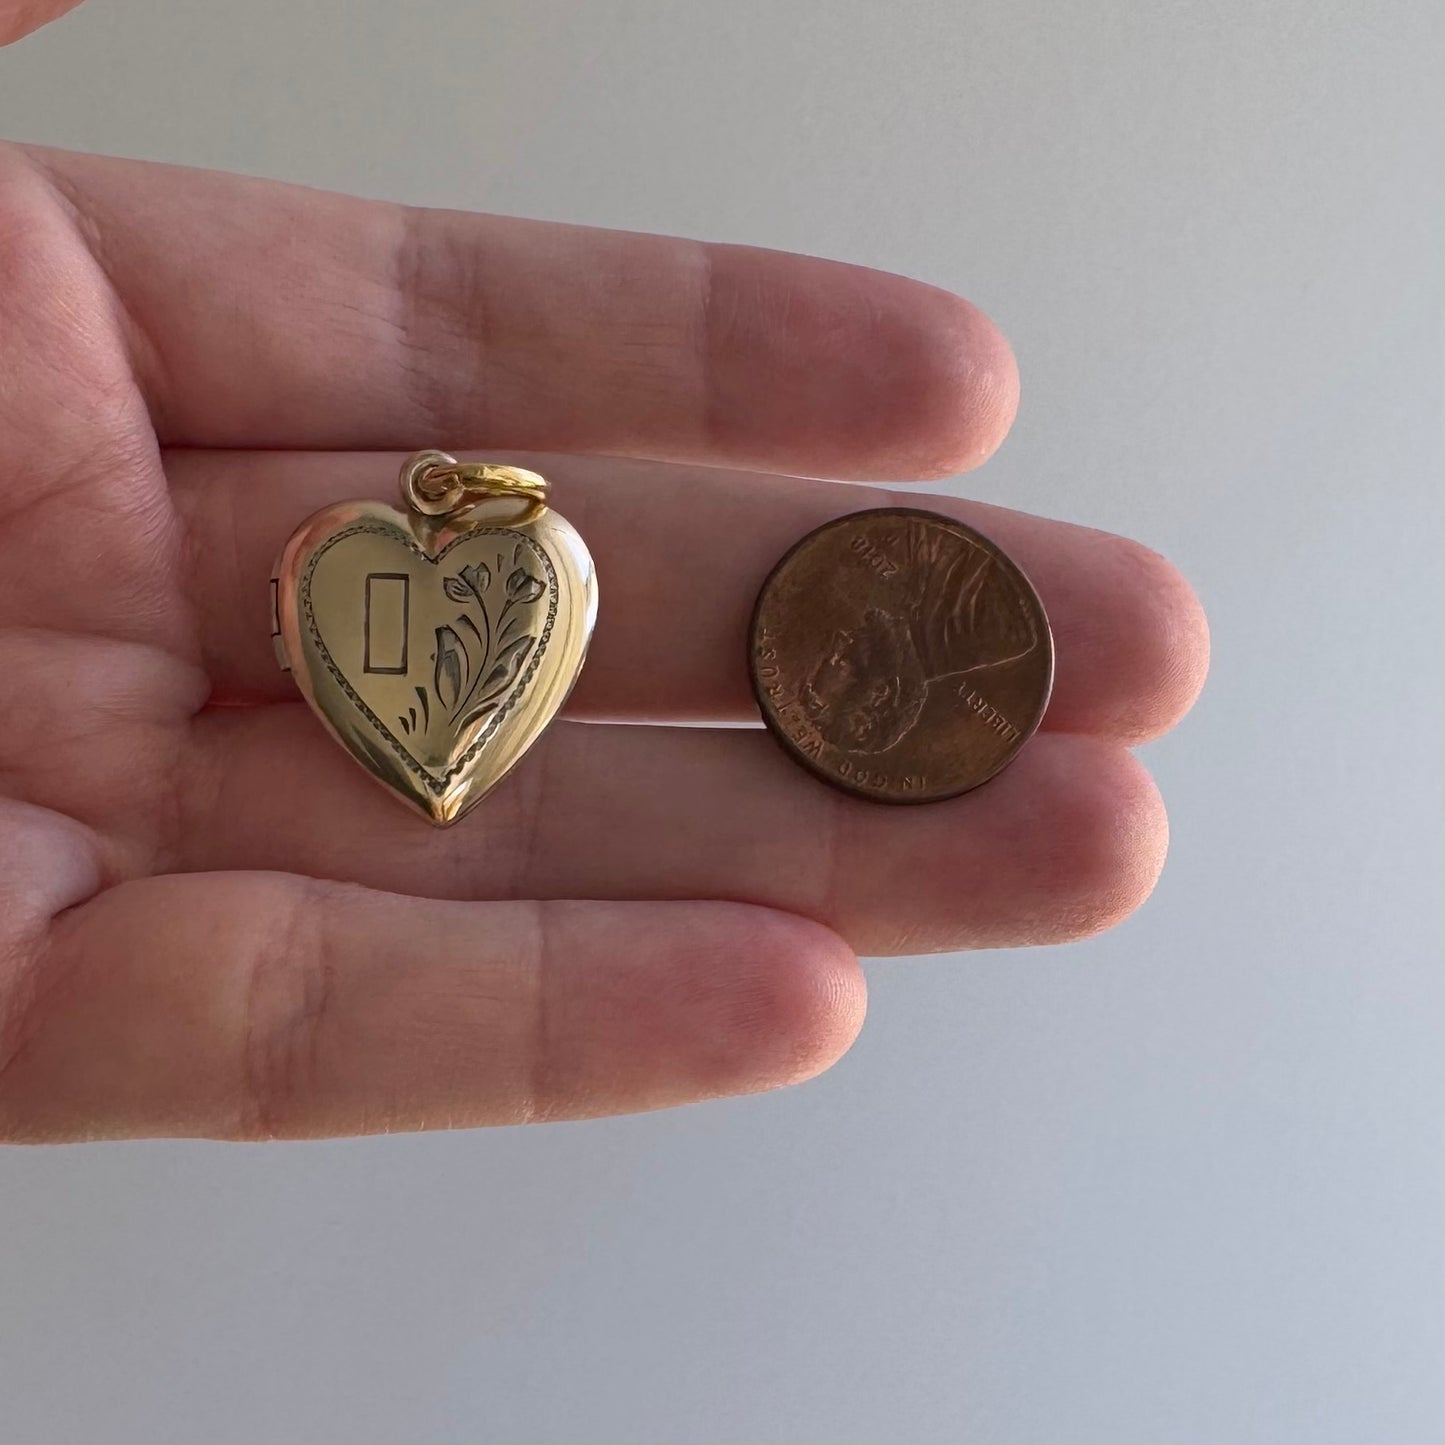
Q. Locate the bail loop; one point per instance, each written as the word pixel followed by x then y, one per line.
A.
pixel 436 484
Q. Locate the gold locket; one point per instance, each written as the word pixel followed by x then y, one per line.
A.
pixel 437 642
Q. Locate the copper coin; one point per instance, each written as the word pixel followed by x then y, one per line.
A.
pixel 900 655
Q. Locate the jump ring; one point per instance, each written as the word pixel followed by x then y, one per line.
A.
pixel 434 483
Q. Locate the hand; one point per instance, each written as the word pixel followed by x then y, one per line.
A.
pixel 214 923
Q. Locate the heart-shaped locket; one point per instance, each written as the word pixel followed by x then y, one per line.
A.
pixel 437 648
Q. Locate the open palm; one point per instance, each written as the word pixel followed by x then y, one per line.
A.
pixel 214 923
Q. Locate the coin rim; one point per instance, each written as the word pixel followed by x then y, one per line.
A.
pixel 797 754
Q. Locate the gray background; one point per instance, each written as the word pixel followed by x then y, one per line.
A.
pixel 1181 1183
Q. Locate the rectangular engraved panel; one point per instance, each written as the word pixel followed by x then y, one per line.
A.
pixel 388 612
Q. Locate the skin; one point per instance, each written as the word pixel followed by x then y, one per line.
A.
pixel 211 922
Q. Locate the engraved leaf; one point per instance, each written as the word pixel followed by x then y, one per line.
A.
pixel 450 666
pixel 476 715
pixel 522 586
pixel 509 664
pixel 456 589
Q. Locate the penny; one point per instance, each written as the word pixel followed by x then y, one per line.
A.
pixel 900 655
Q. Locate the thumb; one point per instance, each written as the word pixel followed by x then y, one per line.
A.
pixel 20 17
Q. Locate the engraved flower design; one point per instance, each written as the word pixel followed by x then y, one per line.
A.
pixel 522 586
pixel 469 584
pixel 481 652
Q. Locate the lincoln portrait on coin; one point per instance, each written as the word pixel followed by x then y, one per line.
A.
pixel 953 610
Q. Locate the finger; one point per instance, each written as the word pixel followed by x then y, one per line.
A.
pixel 82 489
pixel 1066 841
pixel 20 17
pixel 334 322
pixel 681 553
pixel 258 1005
